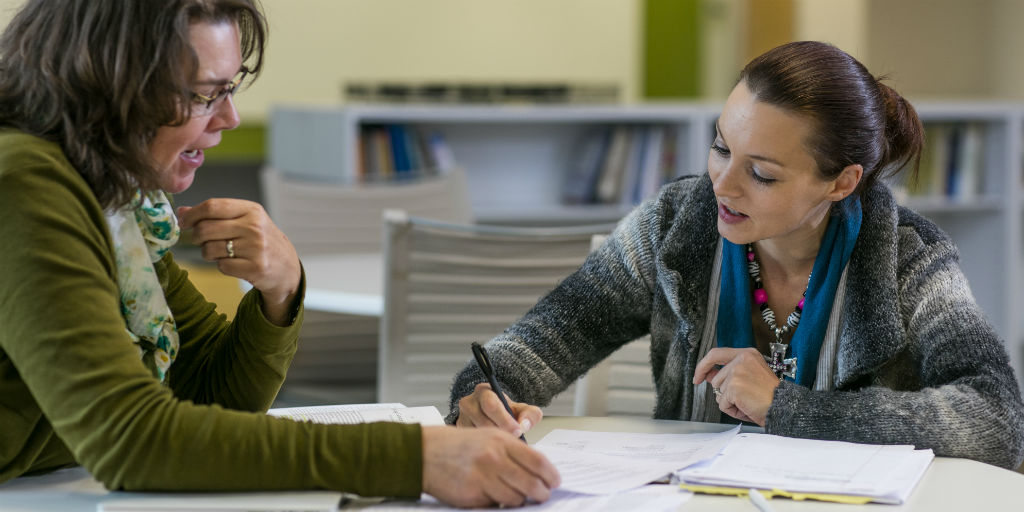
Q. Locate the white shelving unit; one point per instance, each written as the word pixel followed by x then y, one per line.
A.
pixel 517 159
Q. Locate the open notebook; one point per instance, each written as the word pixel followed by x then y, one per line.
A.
pixel 361 413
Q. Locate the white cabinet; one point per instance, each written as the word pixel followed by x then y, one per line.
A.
pixel 517 160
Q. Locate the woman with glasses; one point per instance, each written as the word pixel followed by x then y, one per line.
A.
pixel 109 356
pixel 785 287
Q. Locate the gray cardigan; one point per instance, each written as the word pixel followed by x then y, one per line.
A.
pixel 917 362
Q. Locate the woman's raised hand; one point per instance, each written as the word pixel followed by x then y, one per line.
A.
pixel 482 408
pixel 246 244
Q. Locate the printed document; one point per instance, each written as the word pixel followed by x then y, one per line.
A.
pixel 610 462
pixel 887 473
pixel 362 413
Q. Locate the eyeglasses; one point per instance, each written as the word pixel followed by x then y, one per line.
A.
pixel 204 105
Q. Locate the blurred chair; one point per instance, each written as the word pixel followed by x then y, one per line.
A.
pixel 336 361
pixel 447 285
pixel 622 384
pixel 333 218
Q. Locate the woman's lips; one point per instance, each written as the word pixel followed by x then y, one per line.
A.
pixel 730 216
pixel 193 157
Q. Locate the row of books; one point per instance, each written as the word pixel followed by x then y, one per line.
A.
pixel 481 92
pixel 952 162
pixel 621 164
pixel 396 151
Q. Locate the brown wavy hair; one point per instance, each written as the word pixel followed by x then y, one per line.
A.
pixel 859 120
pixel 99 77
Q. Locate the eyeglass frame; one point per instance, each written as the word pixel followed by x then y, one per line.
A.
pixel 229 90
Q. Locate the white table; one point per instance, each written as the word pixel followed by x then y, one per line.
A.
pixel 345 283
pixel 954 485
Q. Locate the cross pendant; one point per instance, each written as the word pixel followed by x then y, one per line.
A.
pixel 779 363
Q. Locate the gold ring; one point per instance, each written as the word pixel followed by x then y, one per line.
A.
pixel 231 248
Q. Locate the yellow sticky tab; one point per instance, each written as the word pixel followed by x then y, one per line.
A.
pixel 796 496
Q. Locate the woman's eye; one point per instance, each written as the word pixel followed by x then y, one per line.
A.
pixel 761 178
pixel 721 150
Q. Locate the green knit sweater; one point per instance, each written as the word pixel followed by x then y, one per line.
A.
pixel 74 391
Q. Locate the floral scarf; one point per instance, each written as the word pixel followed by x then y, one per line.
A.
pixel 143 231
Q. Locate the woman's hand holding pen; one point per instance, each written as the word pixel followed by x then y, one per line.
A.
pixel 246 244
pixel 483 467
pixel 744 385
pixel 482 408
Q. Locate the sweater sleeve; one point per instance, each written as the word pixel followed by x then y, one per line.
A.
pixel 239 364
pixel 591 313
pixel 952 390
pixel 61 327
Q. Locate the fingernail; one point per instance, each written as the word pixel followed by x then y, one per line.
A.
pixel 526 424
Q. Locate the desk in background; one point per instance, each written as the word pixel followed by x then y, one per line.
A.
pixel 336 361
pixel 954 485
pixel 345 283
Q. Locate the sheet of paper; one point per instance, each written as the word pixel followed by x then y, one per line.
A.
pixel 655 498
pixel 888 472
pixel 596 473
pixel 313 501
pixel 610 462
pixel 684 449
pixel 362 413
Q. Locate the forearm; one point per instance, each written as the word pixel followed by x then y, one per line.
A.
pixel 593 312
pixel 953 420
pixel 239 364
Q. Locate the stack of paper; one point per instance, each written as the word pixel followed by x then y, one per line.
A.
pixel 606 462
pixel 361 413
pixel 815 469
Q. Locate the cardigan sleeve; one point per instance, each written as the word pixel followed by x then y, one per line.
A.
pixel 84 383
pixel 239 364
pixel 592 312
pixel 951 389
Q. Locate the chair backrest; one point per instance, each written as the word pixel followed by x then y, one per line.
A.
pixel 324 218
pixel 622 384
pixel 447 285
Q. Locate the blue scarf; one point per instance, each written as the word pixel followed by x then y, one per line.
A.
pixel 734 300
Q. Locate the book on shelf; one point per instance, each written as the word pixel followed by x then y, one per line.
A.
pixel 620 164
pixel 400 152
pixel 952 166
pixel 439 92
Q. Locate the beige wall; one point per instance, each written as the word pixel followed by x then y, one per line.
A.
pixel 933 48
pixel 316 45
pixel 1006 57
pixel 839 22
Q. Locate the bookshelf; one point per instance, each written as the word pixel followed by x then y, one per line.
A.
pixel 518 159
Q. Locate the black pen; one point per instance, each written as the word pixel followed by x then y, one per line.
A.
pixel 485 366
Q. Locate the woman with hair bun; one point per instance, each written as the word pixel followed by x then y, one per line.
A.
pixel 785 287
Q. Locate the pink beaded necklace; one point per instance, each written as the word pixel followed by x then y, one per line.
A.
pixel 777 361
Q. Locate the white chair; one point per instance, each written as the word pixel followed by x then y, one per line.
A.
pixel 336 360
pixel 332 218
pixel 449 285
pixel 622 384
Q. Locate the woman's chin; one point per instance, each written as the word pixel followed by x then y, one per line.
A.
pixel 179 184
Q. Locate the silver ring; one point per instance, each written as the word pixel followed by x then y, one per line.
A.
pixel 231 248
pixel 718 392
